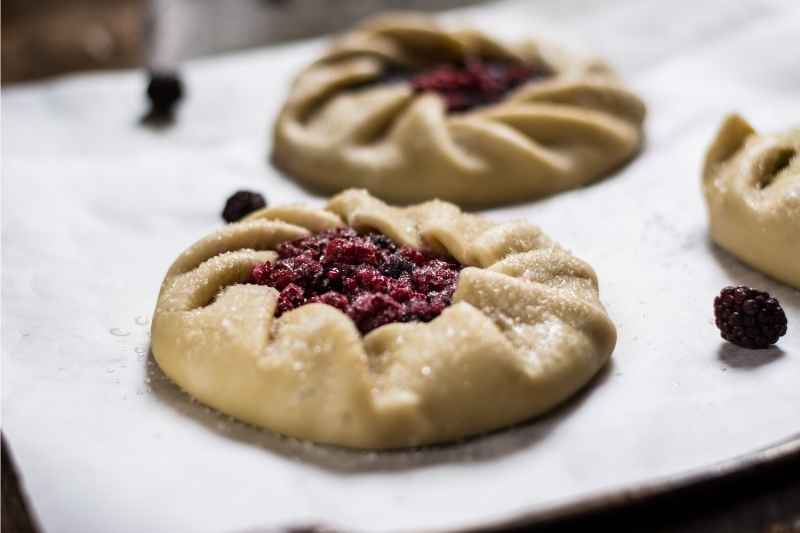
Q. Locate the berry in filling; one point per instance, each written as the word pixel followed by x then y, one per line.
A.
pixel 474 83
pixel 749 318
pixel 368 277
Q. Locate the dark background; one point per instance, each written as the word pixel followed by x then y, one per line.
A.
pixel 46 37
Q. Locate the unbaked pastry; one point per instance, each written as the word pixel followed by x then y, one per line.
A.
pixel 352 119
pixel 525 330
pixel 752 188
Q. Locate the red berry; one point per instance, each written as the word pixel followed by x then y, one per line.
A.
pixel 335 299
pixel 370 278
pixel 291 296
pixel 475 83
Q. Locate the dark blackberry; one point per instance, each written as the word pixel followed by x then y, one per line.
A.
pixel 382 241
pixel 165 90
pixel 241 204
pixel 397 265
pixel 749 318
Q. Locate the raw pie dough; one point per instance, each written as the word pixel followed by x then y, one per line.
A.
pixel 752 187
pixel 545 136
pixel 525 331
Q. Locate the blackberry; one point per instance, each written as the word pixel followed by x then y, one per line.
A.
pixel 382 241
pixel 165 90
pixel 397 265
pixel 749 318
pixel 241 204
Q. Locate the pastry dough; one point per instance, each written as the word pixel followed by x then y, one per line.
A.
pixel 340 129
pixel 526 330
pixel 752 188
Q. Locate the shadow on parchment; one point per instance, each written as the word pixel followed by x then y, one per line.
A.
pixel 745 359
pixel 348 461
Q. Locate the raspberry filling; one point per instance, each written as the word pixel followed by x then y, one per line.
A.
pixel 474 83
pixel 368 277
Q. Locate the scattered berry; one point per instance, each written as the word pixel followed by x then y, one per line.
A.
pixel 749 318
pixel 241 204
pixel 164 90
pixel 474 83
pixel 369 277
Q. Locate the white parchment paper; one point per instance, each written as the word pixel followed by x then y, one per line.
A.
pixel 96 207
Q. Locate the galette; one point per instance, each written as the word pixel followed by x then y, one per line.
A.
pixel 371 326
pixel 413 110
pixel 752 188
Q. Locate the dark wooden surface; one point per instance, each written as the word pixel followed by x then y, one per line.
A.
pixel 14 515
pixel 48 37
pixel 764 499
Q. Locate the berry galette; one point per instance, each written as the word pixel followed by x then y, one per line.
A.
pixel 371 326
pixel 752 189
pixel 412 111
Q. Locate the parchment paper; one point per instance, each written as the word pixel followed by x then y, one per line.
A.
pixel 96 207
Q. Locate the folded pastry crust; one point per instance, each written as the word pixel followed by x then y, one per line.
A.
pixel 526 330
pixel 339 130
pixel 752 188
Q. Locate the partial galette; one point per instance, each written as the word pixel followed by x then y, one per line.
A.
pixel 752 188
pixel 412 110
pixel 371 326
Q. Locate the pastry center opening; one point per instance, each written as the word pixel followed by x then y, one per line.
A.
pixel 475 82
pixel 369 277
pixel 775 165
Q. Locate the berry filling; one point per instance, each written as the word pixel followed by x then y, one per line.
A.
pixel 368 277
pixel 474 83
pixel 749 318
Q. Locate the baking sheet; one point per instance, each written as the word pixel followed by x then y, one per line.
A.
pixel 96 207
